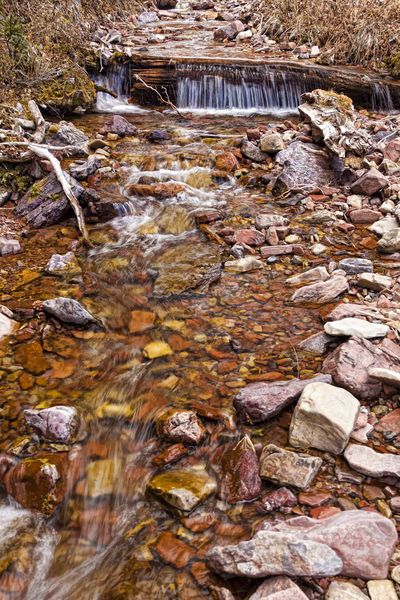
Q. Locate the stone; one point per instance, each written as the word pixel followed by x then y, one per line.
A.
pixel 45 203
pixel 141 320
pixel 374 281
pixel 382 590
pixel 364 540
pixel 288 468
pixel 341 590
pixel 310 276
pixel 314 498
pixel 9 246
pixel 278 588
pixel 226 162
pixel 270 553
pixel 244 35
pixel 354 266
pixel 271 143
pixel 253 152
pixel 370 183
pixel 56 424
pixel 157 350
pixel 7 326
pixel 374 464
pixel 147 17
pixel 356 327
pixel 324 418
pixel 390 241
pixel 318 343
pixel 166 4
pixel 68 311
pixel 385 225
pixel 391 150
pixel 355 201
pixel 280 250
pixel 260 401
pixel 390 423
pixel 181 426
pixel 304 167
pixel 182 489
pixel 318 249
pixel 283 497
pixel 173 550
pixel 240 480
pixel 103 477
pixel 263 221
pixel 385 376
pixel 365 216
pixel 63 264
pixel 83 170
pixel 349 365
pixel 321 292
pixel 120 126
pixel 243 265
pixel 70 135
pixel 250 237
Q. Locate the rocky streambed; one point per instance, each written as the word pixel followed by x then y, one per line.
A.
pixel 203 404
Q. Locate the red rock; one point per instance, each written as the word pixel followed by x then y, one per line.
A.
pixel 278 588
pixel 202 216
pixel 181 426
pixel 280 498
pixel 370 183
pixel 141 320
pixel 253 134
pixel 170 455
pixel 314 498
pixel 250 237
pixel 201 573
pixel 323 512
pixel 173 551
pixel 391 150
pixel 390 422
pixel 345 227
pixel 283 249
pixel 272 236
pixel 226 162
pixel 365 215
pixel 240 480
pixel 199 523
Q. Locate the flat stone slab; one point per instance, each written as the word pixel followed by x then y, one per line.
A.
pixel 356 327
pixel 374 464
pixel 288 468
pixel 182 489
pixel 375 282
pixel 321 292
pixel 385 376
pixel 354 266
pixel 324 418
pixel 382 590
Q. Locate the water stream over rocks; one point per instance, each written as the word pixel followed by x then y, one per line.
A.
pixel 205 446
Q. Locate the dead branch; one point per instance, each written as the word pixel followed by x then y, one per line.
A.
pixel 167 101
pixel 101 88
pixel 43 152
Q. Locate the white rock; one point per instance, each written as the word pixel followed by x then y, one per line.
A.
pixel 7 326
pixel 384 225
pixel 382 589
pixel 340 590
pixel 386 376
pixel 355 201
pixel 387 207
pixel 318 249
pixel 315 51
pixel 9 246
pixel 242 265
pixel 356 327
pixel 244 35
pixel 390 241
pixel 324 418
pixel 373 464
pixel 310 276
pixel 374 281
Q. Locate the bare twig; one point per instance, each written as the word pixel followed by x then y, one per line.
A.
pixel 167 101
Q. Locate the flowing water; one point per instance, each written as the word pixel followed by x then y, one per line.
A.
pixel 152 276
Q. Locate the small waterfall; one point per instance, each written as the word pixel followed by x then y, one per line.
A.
pixel 117 79
pixel 261 89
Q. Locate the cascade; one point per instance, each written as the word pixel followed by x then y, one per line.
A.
pixel 117 79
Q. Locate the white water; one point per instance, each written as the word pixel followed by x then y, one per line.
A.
pixel 116 79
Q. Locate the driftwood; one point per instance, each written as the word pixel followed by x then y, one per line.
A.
pixel 167 101
pixel 43 152
pixel 101 88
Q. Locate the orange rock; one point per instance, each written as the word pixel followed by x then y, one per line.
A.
pixel 226 162
pixel 173 551
pixel 31 357
pixel 322 512
pixel 201 573
pixel 369 242
pixel 171 454
pixel 26 381
pixel 178 343
pixel 141 320
pixel 199 523
pixel 314 498
pixel 62 368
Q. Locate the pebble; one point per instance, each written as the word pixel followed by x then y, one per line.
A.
pixel 157 350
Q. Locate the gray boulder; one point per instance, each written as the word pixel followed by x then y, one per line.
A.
pixel 69 311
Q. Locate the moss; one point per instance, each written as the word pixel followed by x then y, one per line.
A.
pixel 16 179
pixel 66 92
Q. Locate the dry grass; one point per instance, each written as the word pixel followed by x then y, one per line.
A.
pixel 361 32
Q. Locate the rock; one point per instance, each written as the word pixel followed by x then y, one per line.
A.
pixel 390 241
pixel 382 590
pixel 318 343
pixel 288 468
pixel 260 401
pixel 172 550
pixel 384 225
pixel 385 376
pixel 120 126
pixel 374 281
pixel 157 350
pixel 250 237
pixel 263 221
pixel 364 540
pixel 55 424
pixel 350 363
pixel 280 498
pixel 226 162
pixel 371 463
pixel 103 477
pixel 391 150
pixel 244 35
pixel 278 588
pixel 370 183
pixel 45 203
pixel 310 276
pixel 63 264
pixel 240 480
pixel 147 17
pixel 69 311
pixel 365 216
pixel 271 143
pixel 243 265
pixel 83 170
pixel 9 246
pixel 7 325
pixel 305 167
pixel 324 418
pixel 321 292
pixel 159 135
pixel 182 489
pixel 253 152
pixel 141 320
pixel 275 554
pixel 69 134
pixel 318 249
pixel 39 482
pixel 166 4
pixel 354 266
pixel 340 590
pixel 280 250
pixel 390 423
pixel 181 426
pixel 356 327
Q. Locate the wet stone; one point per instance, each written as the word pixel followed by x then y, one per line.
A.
pixel 240 480
pixel 271 143
pixel 288 468
pixel 63 264
pixel 321 292
pixel 56 424
pixel 310 276
pixel 157 350
pixel 243 265
pixel 9 246
pixel 370 183
pixel 120 126
pixel 282 498
pixel 69 311
pixel 181 426
pixel 253 152
pixel 182 489
pixel 356 327
pixel 173 550
pixel 264 221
